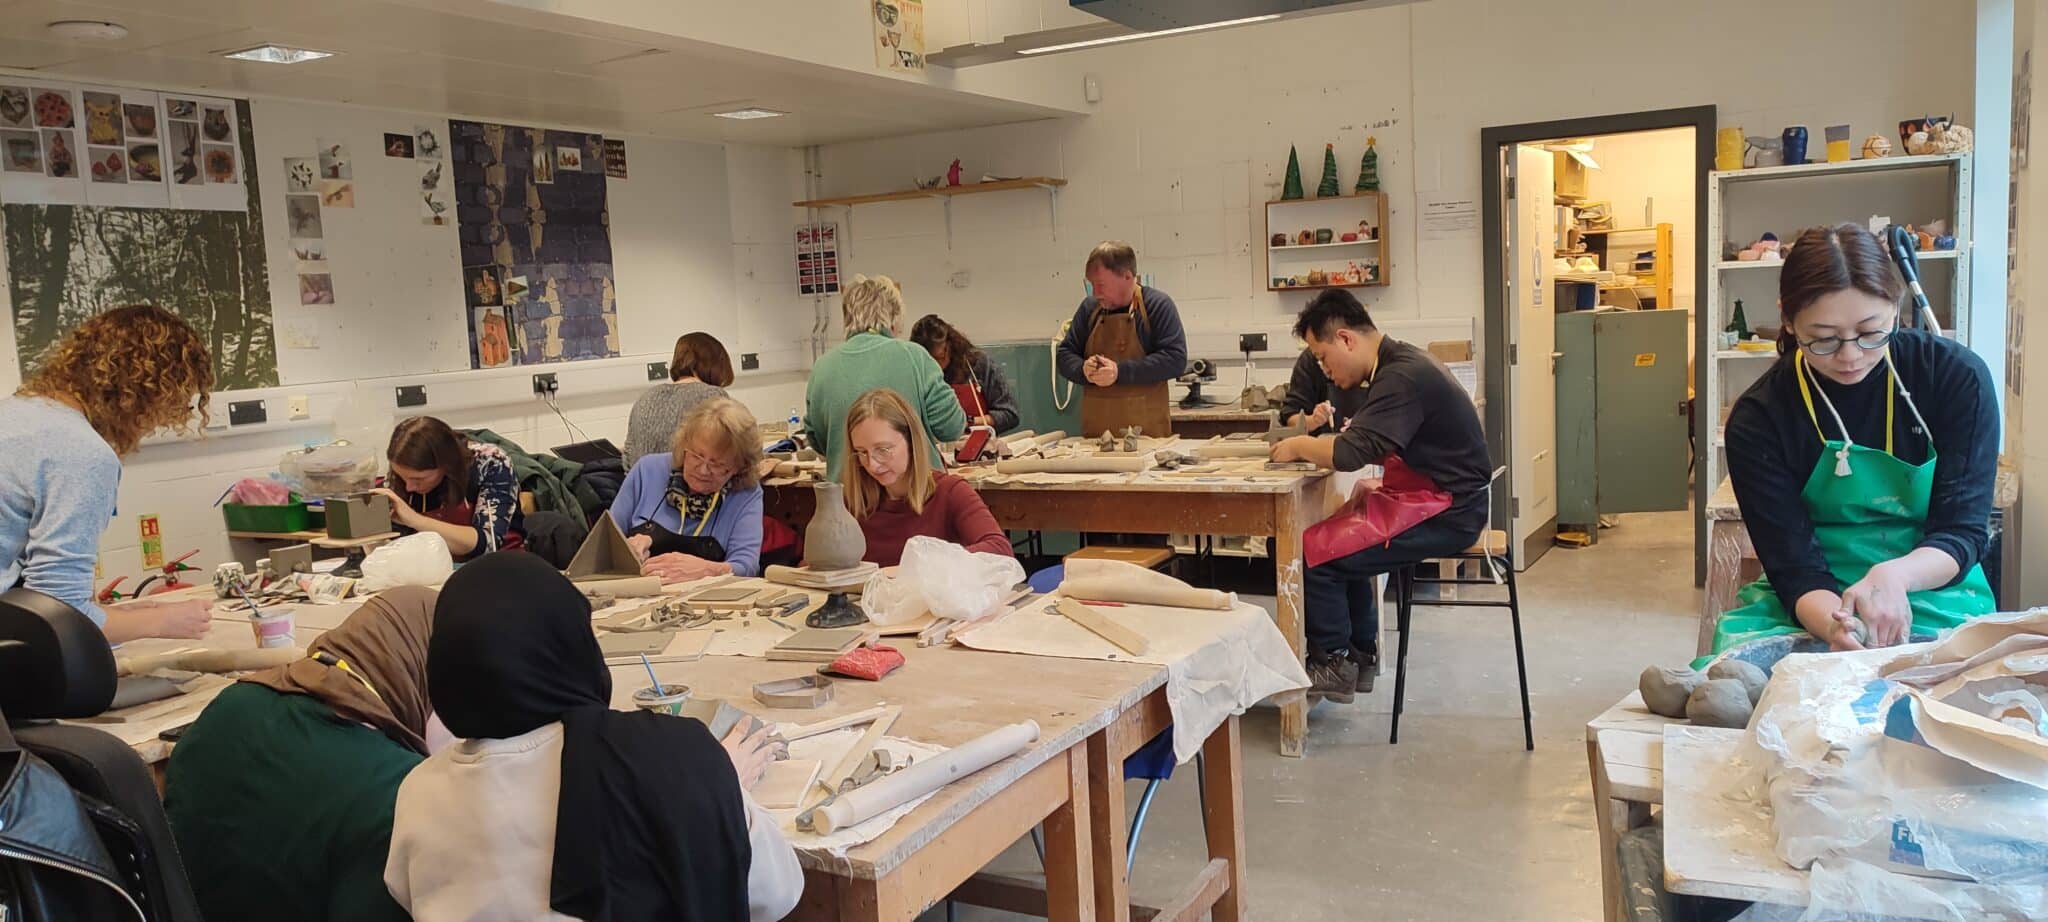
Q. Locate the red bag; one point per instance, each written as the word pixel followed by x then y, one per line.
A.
pixel 1404 499
pixel 870 662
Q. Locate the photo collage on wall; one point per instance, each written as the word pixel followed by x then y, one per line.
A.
pixel 424 146
pixel 817 259
pixel 313 187
pixel 532 216
pixel 67 145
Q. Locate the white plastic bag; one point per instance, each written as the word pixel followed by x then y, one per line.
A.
pixel 414 560
pixel 942 578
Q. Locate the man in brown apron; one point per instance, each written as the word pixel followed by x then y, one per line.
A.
pixel 1124 345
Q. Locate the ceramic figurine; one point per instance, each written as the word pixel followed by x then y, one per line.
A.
pixel 1945 242
pixel 1369 168
pixel 1365 231
pixel 1762 152
pixel 1794 140
pixel 1291 189
pixel 229 580
pixel 1323 235
pixel 1318 277
pixel 1941 137
pixel 1838 143
pixel 1925 240
pixel 1876 147
pixel 1279 240
pixel 1349 237
pixel 953 174
pixel 1328 188
pixel 833 540
pixel 1305 238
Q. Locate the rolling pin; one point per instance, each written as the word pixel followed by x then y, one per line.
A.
pixel 1129 465
pixel 922 777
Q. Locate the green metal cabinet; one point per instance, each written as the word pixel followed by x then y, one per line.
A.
pixel 1621 414
pixel 1028 365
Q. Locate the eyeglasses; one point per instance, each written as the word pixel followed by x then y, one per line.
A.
pixel 706 464
pixel 880 454
pixel 1829 345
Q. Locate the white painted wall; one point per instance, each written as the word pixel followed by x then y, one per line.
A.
pixel 1647 177
pixel 1193 131
pixel 701 240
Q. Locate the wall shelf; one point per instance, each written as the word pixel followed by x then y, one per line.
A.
pixel 945 195
pixel 1321 287
pixel 1731 265
pixel 1807 170
pixel 1324 246
pixel 1356 212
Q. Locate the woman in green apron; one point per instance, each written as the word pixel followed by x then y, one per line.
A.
pixel 1869 517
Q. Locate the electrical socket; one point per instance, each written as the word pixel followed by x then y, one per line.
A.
pixel 412 395
pixel 299 406
pixel 750 361
pixel 546 384
pixel 1251 342
pixel 657 371
pixel 246 413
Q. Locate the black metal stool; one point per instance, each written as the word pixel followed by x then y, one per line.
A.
pixel 1492 550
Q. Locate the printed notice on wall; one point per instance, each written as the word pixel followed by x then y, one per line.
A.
pixel 1449 218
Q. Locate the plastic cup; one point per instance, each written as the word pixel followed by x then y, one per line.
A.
pixel 662 699
pixel 274 628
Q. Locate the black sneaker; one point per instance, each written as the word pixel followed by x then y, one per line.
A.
pixel 1368 669
pixel 1333 676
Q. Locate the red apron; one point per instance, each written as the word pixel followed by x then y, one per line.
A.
pixel 464 513
pixel 970 400
pixel 1405 498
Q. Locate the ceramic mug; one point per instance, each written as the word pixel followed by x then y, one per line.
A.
pixel 1795 145
pixel 1728 149
pixel 1838 143
pixel 230 581
pixel 273 628
pixel 1323 235
pixel 1279 240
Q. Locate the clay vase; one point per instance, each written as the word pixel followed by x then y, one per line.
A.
pixel 833 540
pixel 1795 145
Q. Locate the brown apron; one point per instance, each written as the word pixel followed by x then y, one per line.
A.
pixel 1115 337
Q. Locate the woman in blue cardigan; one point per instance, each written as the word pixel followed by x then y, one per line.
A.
pixel 695 511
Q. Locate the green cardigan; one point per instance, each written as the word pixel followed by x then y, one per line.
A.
pixel 282 810
pixel 867 361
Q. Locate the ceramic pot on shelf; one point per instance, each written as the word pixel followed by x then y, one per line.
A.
pixel 833 540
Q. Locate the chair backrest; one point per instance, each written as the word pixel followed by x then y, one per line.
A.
pixel 54 662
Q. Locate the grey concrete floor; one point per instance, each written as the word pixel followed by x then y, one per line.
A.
pixel 1457 822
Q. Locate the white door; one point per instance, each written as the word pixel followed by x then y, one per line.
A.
pixel 1532 338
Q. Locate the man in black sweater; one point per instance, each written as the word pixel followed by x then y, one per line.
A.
pixel 1414 410
pixel 1315 404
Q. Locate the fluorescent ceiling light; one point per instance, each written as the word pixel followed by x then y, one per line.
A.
pixel 1138 35
pixel 750 113
pixel 278 54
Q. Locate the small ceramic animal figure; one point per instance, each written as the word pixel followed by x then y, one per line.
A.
pixel 99 124
pixel 1941 137
pixel 953 174
pixel 1876 147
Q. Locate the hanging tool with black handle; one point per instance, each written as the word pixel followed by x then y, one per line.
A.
pixel 1903 246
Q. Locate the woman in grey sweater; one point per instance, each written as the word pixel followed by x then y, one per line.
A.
pixel 700 370
pixel 974 377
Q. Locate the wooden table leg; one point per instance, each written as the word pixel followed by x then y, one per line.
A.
pixel 1288 521
pixel 1603 823
pixel 1106 819
pixel 1223 791
pixel 1069 860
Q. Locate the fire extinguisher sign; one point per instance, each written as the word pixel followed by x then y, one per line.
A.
pixel 152 543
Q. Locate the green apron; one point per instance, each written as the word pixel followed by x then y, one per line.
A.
pixel 1867 507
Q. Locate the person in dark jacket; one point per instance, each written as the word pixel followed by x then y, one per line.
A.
pixel 975 378
pixel 1314 403
pixel 1863 460
pixel 1125 344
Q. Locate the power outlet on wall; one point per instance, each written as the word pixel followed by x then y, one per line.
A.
pixel 246 413
pixel 750 361
pixel 1251 342
pixel 546 384
pixel 412 395
pixel 657 371
pixel 299 406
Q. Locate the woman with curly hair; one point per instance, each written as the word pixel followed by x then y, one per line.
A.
pixel 975 378
pixel 114 380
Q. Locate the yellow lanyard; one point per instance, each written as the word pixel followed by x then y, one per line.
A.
pixel 708 512
pixel 1806 394
pixel 337 662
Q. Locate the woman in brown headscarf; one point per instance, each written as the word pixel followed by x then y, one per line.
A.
pixel 281 793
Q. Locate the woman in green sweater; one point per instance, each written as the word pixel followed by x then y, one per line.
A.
pixel 281 793
pixel 873 356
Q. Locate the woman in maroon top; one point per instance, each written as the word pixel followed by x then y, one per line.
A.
pixel 893 491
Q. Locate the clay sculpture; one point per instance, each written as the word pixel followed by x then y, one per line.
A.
pixel 833 541
pixel 1666 689
pixel 1719 703
pixel 1752 678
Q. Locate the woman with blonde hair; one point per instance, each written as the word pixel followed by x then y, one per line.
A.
pixel 874 356
pixel 894 491
pixel 695 510
pixel 115 379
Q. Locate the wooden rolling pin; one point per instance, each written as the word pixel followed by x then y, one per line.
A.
pixel 923 777
pixel 1130 465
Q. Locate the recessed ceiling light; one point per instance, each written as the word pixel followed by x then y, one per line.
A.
pixel 746 114
pixel 1090 43
pixel 277 54
pixel 88 30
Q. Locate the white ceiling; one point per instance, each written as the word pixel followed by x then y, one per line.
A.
pixel 479 59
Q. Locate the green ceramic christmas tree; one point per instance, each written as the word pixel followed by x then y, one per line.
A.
pixel 1369 169
pixel 1292 190
pixel 1329 186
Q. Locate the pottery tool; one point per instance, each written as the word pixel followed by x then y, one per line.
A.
pixel 830 724
pixel 828 783
pixel 651 677
pixel 785 784
pixel 808 691
pixel 886 793
pixel 1103 626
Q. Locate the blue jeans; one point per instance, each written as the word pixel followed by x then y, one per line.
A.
pixel 1343 611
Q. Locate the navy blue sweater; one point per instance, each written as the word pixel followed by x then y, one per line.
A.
pixel 1166 345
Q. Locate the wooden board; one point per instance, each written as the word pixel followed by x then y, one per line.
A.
pixel 817 645
pixel 784 784
pixel 807 578
pixel 1104 626
pixel 829 782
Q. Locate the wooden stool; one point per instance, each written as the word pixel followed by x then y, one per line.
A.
pixel 1151 558
pixel 1491 549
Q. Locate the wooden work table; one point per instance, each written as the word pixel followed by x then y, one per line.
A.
pixel 1091 714
pixel 1276 506
pixel 1210 422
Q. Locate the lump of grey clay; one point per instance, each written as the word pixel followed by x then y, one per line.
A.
pixel 1665 689
pixel 1752 678
pixel 1719 703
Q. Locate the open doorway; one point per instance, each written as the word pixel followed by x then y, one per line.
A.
pixel 1596 225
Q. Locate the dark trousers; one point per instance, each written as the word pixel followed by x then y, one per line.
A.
pixel 1342 609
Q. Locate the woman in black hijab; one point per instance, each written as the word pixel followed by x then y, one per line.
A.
pixel 554 806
